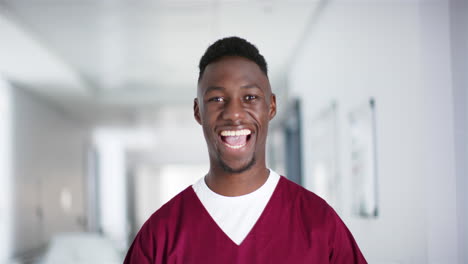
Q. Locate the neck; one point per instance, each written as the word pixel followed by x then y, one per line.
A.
pixel 236 184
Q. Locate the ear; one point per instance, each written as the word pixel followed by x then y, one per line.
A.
pixel 272 111
pixel 196 110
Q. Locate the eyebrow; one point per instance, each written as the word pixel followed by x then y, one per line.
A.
pixel 214 88
pixel 220 88
pixel 250 86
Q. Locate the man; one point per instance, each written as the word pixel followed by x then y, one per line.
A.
pixel 241 211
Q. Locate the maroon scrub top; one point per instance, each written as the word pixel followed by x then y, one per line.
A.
pixel 296 226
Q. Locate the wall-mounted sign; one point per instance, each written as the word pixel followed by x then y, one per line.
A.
pixel 364 160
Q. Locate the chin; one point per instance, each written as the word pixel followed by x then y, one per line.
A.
pixel 237 169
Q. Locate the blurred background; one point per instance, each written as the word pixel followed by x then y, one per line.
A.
pixel 97 128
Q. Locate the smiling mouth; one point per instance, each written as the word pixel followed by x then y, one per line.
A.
pixel 235 139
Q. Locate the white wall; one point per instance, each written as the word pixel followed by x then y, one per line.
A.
pixel 459 44
pixel 399 53
pixel 112 189
pixel 48 171
pixel 179 138
pixel 6 177
pixel 436 77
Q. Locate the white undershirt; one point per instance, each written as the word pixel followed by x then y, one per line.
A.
pixel 236 215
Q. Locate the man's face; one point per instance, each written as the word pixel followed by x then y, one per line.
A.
pixel 234 106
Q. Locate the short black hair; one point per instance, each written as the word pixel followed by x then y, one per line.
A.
pixel 232 46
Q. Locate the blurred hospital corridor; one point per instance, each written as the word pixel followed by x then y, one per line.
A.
pixel 97 129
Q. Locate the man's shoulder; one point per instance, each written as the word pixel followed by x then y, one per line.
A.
pixel 303 198
pixel 171 210
pixel 300 192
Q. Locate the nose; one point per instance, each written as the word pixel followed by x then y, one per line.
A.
pixel 233 111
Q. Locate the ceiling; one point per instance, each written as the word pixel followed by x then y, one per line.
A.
pixel 132 55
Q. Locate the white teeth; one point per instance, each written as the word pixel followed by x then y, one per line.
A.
pixel 234 147
pixel 231 133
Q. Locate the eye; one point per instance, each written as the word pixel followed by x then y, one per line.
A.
pixel 216 99
pixel 250 97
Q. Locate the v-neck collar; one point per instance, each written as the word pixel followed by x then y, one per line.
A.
pixel 261 219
